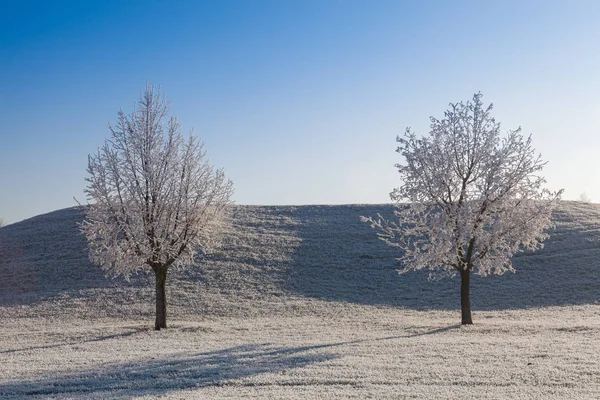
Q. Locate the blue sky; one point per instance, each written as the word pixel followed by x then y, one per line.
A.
pixel 299 101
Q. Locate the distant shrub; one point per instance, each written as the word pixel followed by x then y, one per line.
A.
pixel 585 198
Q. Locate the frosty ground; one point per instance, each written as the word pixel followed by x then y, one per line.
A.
pixel 301 302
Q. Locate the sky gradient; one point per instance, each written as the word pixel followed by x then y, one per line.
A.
pixel 299 101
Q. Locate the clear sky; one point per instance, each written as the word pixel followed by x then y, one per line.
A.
pixel 299 101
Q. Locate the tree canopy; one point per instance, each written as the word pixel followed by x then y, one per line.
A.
pixel 470 198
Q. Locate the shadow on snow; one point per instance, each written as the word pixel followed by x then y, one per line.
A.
pixel 321 252
pixel 341 259
pixel 74 343
pixel 157 377
pixel 46 255
pixel 184 371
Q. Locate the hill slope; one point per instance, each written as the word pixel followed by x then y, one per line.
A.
pixel 329 317
pixel 286 258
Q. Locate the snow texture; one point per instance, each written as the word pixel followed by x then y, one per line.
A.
pixel 299 302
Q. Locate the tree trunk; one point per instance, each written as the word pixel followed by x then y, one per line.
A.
pixel 161 298
pixel 465 300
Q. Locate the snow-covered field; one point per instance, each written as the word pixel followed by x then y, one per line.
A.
pixel 301 302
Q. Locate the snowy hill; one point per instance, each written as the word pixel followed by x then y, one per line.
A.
pixel 299 303
pixel 280 258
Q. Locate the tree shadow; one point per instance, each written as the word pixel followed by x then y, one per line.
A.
pixel 341 259
pixel 181 371
pixel 73 343
pixel 437 330
pixel 177 372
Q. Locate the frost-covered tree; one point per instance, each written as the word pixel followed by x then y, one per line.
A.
pixel 469 200
pixel 155 201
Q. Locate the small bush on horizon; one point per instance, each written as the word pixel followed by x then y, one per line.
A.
pixel 583 197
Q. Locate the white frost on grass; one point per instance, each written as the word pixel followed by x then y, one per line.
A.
pixel 302 302
pixel 366 352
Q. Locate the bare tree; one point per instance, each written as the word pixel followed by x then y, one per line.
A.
pixel 469 199
pixel 155 200
pixel 1 222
